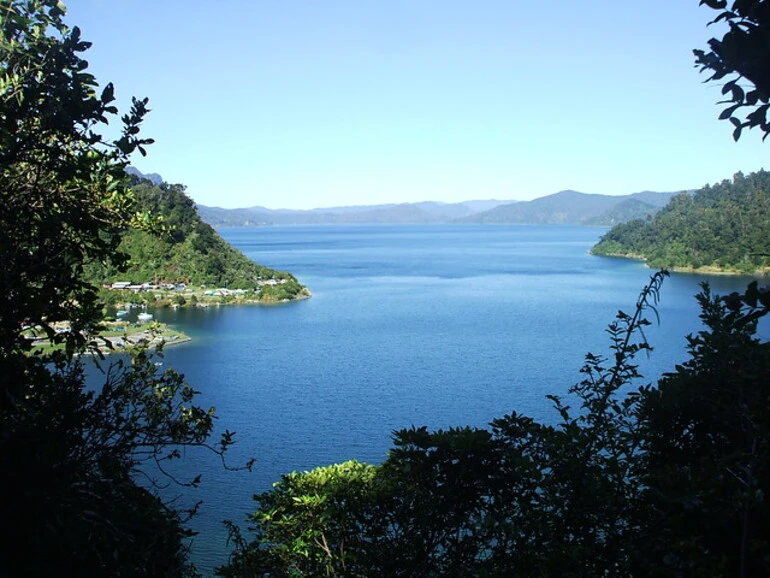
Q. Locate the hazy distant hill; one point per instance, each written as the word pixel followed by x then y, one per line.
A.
pixel 479 206
pixel 424 212
pixel 230 217
pixel 655 199
pixel 565 207
pixel 574 208
pixel 623 212
pixel 154 178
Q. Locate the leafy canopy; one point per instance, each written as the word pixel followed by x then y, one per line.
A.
pixel 742 58
pixel 63 185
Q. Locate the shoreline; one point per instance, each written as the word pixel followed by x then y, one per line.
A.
pixel 121 337
pixel 164 334
pixel 190 299
pixel 146 338
pixel 708 270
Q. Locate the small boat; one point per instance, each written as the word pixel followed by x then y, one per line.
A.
pixel 144 317
pixel 122 313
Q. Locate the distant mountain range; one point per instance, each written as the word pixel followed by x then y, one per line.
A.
pixel 425 212
pixel 565 207
pixel 562 208
pixel 574 208
pixel 154 178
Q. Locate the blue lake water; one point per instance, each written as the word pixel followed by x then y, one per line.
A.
pixel 408 325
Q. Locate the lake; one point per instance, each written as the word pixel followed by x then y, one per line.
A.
pixel 436 325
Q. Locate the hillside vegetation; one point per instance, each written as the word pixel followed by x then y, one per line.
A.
pixel 188 250
pixel 722 227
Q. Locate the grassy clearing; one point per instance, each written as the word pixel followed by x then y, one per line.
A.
pixel 122 335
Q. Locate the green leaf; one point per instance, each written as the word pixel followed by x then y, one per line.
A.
pixel 727 113
pixel 108 94
pixel 714 4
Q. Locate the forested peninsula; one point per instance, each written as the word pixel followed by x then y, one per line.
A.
pixel 178 248
pixel 723 228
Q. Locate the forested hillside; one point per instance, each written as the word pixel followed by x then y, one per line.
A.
pixel 725 227
pixel 185 248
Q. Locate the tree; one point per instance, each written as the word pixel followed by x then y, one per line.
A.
pixel 63 186
pixel 741 56
pixel 316 523
pixel 71 451
pixel 707 446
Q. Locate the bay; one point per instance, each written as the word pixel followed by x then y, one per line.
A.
pixel 436 325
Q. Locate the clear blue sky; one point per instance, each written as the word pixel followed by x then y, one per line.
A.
pixel 316 103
